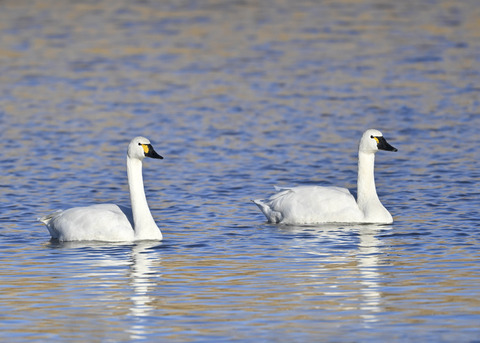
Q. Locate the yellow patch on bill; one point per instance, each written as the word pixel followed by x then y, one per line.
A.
pixel 145 148
pixel 376 138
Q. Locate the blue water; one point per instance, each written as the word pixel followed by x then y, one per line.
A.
pixel 239 97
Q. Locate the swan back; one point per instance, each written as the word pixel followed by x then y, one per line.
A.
pixel 103 222
pixel 311 204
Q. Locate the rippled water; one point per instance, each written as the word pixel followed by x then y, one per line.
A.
pixel 240 96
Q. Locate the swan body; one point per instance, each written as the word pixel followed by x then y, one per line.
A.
pixel 110 222
pixel 317 204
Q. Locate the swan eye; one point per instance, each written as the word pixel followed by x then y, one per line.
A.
pixel 145 147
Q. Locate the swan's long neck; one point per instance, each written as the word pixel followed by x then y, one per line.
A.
pixel 367 198
pixel 144 225
pixel 366 191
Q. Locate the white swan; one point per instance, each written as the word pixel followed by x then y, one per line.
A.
pixel 109 222
pixel 316 204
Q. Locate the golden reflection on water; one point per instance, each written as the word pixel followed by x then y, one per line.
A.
pixel 213 289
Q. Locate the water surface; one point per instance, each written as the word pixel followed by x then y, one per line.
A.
pixel 239 97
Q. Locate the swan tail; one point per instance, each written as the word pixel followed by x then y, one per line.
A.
pixel 272 216
pixel 47 219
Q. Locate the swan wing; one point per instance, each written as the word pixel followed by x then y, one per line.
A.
pixel 310 204
pixel 104 222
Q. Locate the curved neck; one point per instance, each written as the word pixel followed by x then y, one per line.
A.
pixel 144 225
pixel 366 191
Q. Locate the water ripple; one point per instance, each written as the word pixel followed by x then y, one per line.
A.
pixel 239 97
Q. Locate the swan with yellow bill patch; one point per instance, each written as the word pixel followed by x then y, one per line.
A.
pixel 110 222
pixel 317 204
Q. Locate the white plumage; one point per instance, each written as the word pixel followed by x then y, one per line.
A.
pixel 317 204
pixel 110 222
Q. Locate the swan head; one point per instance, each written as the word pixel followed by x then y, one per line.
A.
pixel 140 147
pixel 372 141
